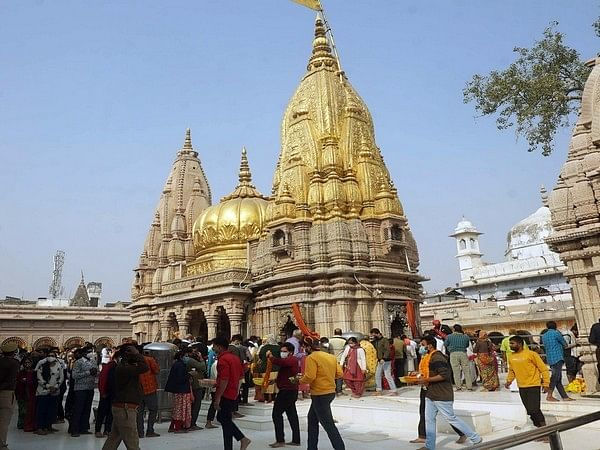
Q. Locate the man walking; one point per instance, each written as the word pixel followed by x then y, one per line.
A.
pixel 337 344
pixel 84 377
pixel 128 396
pixel 398 344
pixel 531 373
pixel 229 373
pixel 105 389
pixel 9 368
pixel 555 345
pixel 457 344
pixel 243 353
pixel 196 367
pixel 384 362
pixel 150 398
pixel 320 372
pixel 286 398
pixel 440 397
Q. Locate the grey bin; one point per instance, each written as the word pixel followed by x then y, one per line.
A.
pixel 163 352
pixel 356 334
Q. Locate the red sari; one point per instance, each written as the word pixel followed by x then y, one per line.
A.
pixel 25 394
pixel 353 375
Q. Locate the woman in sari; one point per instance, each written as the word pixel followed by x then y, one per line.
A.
pixel 487 362
pixel 25 394
pixel 179 385
pixel 301 356
pixel 354 361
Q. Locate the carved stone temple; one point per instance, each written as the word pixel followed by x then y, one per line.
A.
pixel 575 207
pixel 332 235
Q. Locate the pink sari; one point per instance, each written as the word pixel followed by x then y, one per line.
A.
pixel 304 388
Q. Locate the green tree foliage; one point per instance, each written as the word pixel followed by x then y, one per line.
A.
pixel 537 94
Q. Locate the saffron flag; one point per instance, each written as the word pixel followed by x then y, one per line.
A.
pixel 312 4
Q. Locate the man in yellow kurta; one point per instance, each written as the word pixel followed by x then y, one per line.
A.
pixel 320 372
pixel 531 373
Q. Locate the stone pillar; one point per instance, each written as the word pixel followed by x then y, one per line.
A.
pixel 235 322
pixel 165 328
pixel 341 317
pixel 585 291
pixel 362 317
pixel 211 324
pixel 184 326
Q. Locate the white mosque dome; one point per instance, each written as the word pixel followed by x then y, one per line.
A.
pixel 530 233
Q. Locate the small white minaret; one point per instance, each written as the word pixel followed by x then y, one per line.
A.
pixel 467 246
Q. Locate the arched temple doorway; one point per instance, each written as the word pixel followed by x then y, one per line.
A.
pixel 19 341
pixel 104 341
pixel 198 325
pixel 223 325
pixel 73 342
pixel 288 328
pixel 398 320
pixel 42 342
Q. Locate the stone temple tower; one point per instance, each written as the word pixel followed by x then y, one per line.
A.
pixel 168 246
pixel 575 209
pixel 336 238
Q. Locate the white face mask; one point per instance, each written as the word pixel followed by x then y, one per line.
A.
pixel 285 354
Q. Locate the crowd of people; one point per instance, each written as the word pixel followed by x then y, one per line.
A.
pixel 52 387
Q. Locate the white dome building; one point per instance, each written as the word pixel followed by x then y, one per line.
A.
pixel 531 269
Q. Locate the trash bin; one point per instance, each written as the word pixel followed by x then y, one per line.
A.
pixel 163 352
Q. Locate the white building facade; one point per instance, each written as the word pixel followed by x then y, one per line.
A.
pixel 531 272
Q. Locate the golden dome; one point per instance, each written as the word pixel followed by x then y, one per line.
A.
pixel 221 232
pixel 329 164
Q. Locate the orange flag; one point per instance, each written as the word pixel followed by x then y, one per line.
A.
pixel 312 4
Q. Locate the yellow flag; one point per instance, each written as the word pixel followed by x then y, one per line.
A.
pixel 312 4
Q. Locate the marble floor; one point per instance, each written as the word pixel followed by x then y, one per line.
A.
pixel 380 434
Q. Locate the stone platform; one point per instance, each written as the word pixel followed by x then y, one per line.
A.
pixel 379 423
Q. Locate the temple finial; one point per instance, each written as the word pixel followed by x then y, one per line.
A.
pixel 544 196
pixel 322 55
pixel 187 144
pixel 245 176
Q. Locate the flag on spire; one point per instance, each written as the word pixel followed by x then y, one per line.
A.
pixel 312 4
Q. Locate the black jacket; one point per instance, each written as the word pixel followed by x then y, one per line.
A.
pixel 179 380
pixel 595 334
pixel 127 388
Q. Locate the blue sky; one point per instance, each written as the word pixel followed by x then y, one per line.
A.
pixel 95 98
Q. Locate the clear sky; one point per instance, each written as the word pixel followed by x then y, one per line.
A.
pixel 95 98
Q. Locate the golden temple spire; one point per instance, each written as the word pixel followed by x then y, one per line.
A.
pixel 244 176
pixel 321 52
pixel 245 188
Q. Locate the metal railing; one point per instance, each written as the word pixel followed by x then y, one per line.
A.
pixel 550 431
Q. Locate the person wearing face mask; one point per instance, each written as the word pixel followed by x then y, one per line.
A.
pixel 49 378
pixel 384 362
pixel 320 373
pixel 229 373
pixel 286 398
pixel 439 396
pixel 25 394
pixel 424 372
pixel 354 362
pixel 84 376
